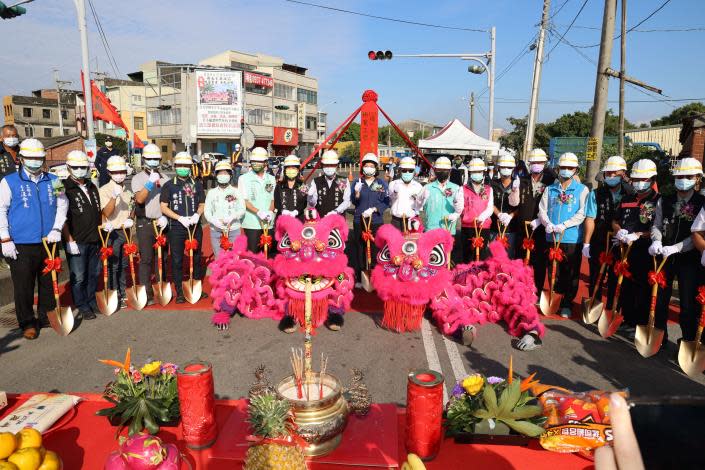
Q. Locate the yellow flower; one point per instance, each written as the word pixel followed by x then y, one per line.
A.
pixel 152 368
pixel 473 384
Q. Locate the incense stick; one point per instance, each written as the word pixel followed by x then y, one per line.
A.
pixel 297 365
pixel 324 365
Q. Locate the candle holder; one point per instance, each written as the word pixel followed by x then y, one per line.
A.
pixel 197 404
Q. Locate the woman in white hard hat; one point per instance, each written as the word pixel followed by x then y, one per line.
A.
pixel 290 195
pixel 405 194
pixel 257 187
pixel 329 193
pixel 632 225
pixel 225 207
pixel 477 210
pixel 505 191
pixel 562 212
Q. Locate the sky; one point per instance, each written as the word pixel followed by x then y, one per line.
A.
pixel 334 45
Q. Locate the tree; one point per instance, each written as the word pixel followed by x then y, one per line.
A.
pixel 389 132
pixel 352 134
pixel 514 139
pixel 678 114
pixel 352 151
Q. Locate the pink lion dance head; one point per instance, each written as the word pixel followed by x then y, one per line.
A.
pixel 411 270
pixel 314 249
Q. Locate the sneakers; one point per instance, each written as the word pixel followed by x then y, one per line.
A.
pixel 123 302
pixel 566 312
pixel 150 301
pixel 44 322
pixel 335 321
pixel 180 299
pixel 30 333
pixel 287 324
pixel 88 315
pixel 468 335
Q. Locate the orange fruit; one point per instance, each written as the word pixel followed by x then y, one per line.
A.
pixel 29 437
pixel 4 465
pixel 8 444
pixel 28 458
pixel 51 462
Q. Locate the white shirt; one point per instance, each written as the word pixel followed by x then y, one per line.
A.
pixel 313 195
pixel 405 198
pixel 62 205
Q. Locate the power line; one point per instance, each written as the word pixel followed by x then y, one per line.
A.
pixel 653 30
pixel 104 40
pixel 386 18
pixel 582 7
pixel 566 101
pixel 559 9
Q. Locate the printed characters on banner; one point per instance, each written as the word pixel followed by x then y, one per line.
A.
pixel 219 102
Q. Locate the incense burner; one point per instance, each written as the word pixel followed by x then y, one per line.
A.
pixel 320 421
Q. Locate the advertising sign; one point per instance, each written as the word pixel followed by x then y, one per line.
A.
pixel 259 80
pixel 301 117
pixel 219 102
pixel 286 136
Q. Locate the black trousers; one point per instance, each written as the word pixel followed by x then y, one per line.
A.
pixel 398 222
pixel 466 236
pixel 148 254
pixel 177 237
pixel 686 268
pixel 253 237
pixel 26 271
pixel 635 298
pixel 594 263
pixel 568 273
pixel 539 256
pixel 358 249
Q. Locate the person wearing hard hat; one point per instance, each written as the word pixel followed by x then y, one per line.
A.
pixel 459 172
pixel 33 206
pixel 671 238
pixel 329 193
pixel 405 195
pixel 101 160
pixel 82 244
pixel 225 207
pixel 9 149
pixel 290 196
pixel 442 201
pixel 147 186
pixel 116 203
pixel 478 205
pixel 632 225
pixel 182 201
pixel 257 187
pixel 531 190
pixel 562 212
pixel 599 212
pixel 505 191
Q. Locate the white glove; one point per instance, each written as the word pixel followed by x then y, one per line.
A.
pixel 262 215
pixel 368 212
pixel 559 228
pixel 669 250
pixel 655 248
pixel 631 238
pixel 453 217
pixel 270 216
pixel 107 227
pixel 127 224
pixel 621 234
pixel 358 186
pixel 480 220
pixel 534 224
pixel 219 225
pixel 161 222
pixel 153 177
pixel 54 236
pixel 9 250
pixel 227 221
pixel 289 213
pixel 504 218
pixel 515 183
pixel 117 191
pixel 549 228
pixel 294 213
pixel 586 250
pixel 72 248
pixel 194 218
pixel 185 221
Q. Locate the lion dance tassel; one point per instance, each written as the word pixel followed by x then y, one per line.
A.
pixel 402 316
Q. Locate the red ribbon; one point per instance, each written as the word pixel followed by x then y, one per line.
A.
pixel 191 245
pixel 265 240
pixel 368 236
pixel 657 278
pixel 478 242
pixel 52 264
pixel 504 241
pixel 106 252
pixel 159 241
pixel 529 244
pixel 225 243
pixel 556 254
pixel 130 249
pixel 621 268
pixel 606 258
pixel 701 296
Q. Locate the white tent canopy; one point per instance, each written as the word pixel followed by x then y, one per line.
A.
pixel 455 136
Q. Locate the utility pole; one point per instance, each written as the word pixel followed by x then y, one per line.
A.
pixel 492 60
pixel 622 74
pixel 536 81
pixel 599 107
pixel 59 84
pixel 472 111
pixel 87 96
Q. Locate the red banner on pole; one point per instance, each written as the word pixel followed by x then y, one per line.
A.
pixel 369 124
pixel 103 109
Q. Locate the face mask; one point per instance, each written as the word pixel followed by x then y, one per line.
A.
pixel 291 173
pixel 108 144
pixel 442 176
pixel 613 181
pixel 152 162
pixel 407 177
pixel 223 179
pixel 566 174
pixel 119 179
pixel 257 167
pixel 369 170
pixel 506 171
pixel 183 172
pixel 477 177
pixel 641 186
pixel 329 171
pixel 11 141
pixel 683 184
pixel 32 165
pixel 536 167
pixel 79 172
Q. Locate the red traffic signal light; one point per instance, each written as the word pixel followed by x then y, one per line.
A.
pixel 379 55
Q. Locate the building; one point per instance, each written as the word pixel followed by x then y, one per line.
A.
pixel 58 148
pixel 665 136
pixel 38 115
pixel 411 126
pixel 692 137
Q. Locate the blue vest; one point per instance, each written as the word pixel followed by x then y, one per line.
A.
pixel 562 205
pixel 33 207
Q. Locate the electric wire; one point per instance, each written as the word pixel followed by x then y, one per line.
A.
pixel 104 40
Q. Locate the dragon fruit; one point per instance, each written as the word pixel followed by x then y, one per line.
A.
pixel 115 462
pixel 173 458
pixel 144 452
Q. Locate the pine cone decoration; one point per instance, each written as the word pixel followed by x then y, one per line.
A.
pixel 262 385
pixel 357 395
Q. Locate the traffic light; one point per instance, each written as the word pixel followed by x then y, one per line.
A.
pixel 379 55
pixel 11 12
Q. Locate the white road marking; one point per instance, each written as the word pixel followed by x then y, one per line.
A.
pixel 456 361
pixel 432 354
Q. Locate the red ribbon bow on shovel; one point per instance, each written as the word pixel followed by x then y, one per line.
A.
pixel 368 237
pixel 225 243
pixel 160 241
pixel 606 258
pixel 701 296
pixel 657 278
pixel 621 268
pixel 51 264
pixel 478 242
pixel 556 254
pixel 529 244
pixel 265 240
pixel 130 249
pixel 190 245
pixel 106 252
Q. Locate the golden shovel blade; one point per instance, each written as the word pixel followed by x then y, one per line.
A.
pixel 192 290
pixel 691 358
pixel 609 323
pixel 365 281
pixel 61 320
pixel 107 302
pixel 162 292
pixel 648 340
pixel 592 313
pixel 549 305
pixel 137 297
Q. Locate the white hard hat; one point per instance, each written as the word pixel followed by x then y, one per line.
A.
pixel 330 157
pixel 615 163
pixel 442 163
pixel 32 148
pixel 569 159
pixel 407 163
pixel 223 165
pixel 183 158
pixel 477 164
pixel 259 154
pixel 370 157
pixel 117 163
pixel 688 166
pixel 506 161
pixel 77 158
pixel 643 168
pixel 291 160
pixel 151 151
pixel 537 156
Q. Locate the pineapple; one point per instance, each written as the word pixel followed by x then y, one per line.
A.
pixel 270 418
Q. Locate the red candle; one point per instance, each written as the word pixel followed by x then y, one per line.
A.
pixel 197 404
pixel 424 413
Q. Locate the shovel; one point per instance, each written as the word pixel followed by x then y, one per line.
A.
pixel 137 294
pixel 192 287
pixel 550 304
pixel 648 338
pixel 368 238
pixel 610 320
pixel 107 299
pixel 61 318
pixel 691 355
pixel 161 289
pixel 591 310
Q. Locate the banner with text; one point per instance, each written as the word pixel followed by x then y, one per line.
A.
pixel 219 102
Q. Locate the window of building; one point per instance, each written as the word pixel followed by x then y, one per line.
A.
pixel 64 114
pixel 28 131
pixel 311 123
pixel 27 112
pixel 66 131
pixel 284 91
pixel 139 123
pixel 46 113
pixel 164 149
pixel 47 132
pixel 259 116
pixel 260 90
pixel 307 96
pixel 284 119
pixel 164 117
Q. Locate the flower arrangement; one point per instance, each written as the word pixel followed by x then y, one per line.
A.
pixel 188 190
pixel 448 192
pixel 58 187
pixel 565 198
pixel 687 212
pixel 143 398
pixel 376 187
pixel 230 198
pixel 646 212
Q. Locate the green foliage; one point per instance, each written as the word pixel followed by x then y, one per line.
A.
pixel 678 114
pixel 352 133
pixel 515 138
pixel 118 144
pixel 352 151
pixel 270 416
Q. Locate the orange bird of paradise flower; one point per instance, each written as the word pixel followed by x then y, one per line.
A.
pixel 125 366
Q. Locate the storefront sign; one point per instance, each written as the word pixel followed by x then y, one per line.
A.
pixel 301 116
pixel 219 102
pixel 259 80
pixel 286 136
